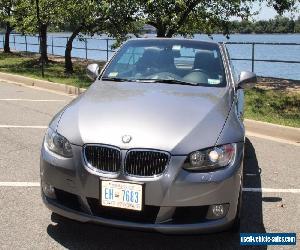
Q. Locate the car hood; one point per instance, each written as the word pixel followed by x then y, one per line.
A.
pixel 175 118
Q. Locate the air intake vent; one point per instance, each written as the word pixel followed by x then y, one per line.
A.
pixel 146 163
pixel 103 158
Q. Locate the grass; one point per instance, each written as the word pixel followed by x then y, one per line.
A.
pixel 28 65
pixel 275 106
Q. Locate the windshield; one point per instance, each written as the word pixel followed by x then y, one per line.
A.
pixel 168 61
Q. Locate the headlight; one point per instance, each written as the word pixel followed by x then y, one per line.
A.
pixel 211 158
pixel 58 144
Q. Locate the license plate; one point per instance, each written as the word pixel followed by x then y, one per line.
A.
pixel 122 195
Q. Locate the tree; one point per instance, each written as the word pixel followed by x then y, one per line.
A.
pixel 80 17
pixel 116 18
pixel 122 19
pixel 35 16
pixel 185 17
pixel 6 8
pixel 297 25
pixel 282 6
pixel 283 25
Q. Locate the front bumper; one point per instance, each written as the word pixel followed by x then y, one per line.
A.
pixel 175 190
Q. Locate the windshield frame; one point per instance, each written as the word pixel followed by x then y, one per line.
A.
pixel 223 61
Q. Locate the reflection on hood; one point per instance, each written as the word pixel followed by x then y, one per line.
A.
pixel 175 118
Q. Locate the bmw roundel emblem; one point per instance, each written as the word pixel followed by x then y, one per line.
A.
pixel 126 138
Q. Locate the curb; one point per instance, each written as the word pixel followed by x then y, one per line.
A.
pixel 264 128
pixel 273 130
pixel 70 90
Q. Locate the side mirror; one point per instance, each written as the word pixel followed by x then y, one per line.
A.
pixel 247 80
pixel 92 71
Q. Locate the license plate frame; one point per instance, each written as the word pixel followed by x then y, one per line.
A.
pixel 117 190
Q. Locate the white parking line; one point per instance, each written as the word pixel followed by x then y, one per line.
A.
pixel 32 100
pixel 272 190
pixel 251 174
pixel 19 184
pixel 20 126
pixel 255 190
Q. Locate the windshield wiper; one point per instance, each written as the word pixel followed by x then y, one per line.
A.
pixel 116 79
pixel 168 81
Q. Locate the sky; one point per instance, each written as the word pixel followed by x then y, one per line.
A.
pixel 267 13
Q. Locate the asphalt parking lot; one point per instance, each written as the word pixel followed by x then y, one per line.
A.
pixel 270 200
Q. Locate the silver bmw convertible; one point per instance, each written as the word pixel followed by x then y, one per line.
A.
pixel 155 143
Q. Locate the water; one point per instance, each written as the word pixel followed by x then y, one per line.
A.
pixel 266 52
pixel 269 52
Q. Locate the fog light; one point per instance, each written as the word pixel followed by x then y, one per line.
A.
pixel 48 190
pixel 217 211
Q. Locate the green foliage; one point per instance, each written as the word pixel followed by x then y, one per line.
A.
pixel 169 17
pixel 277 25
pixel 115 18
pixel 297 26
pixel 282 6
pixel 281 107
pixel 28 65
pixel 25 17
pixel 78 14
pixel 185 17
pixel 120 19
pixel 5 10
